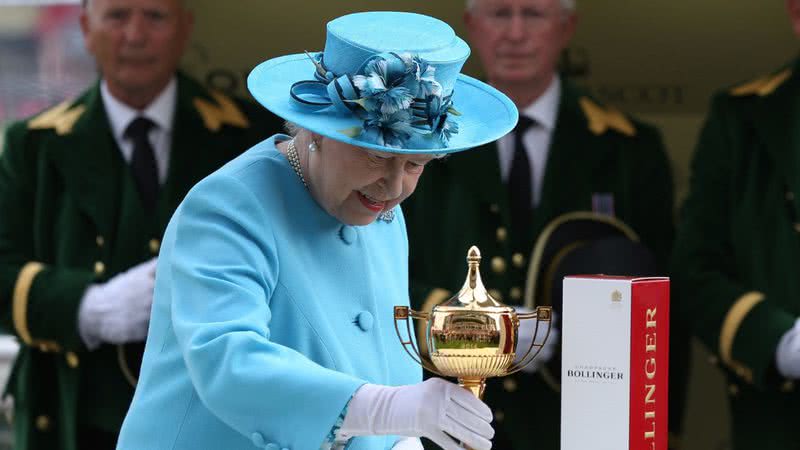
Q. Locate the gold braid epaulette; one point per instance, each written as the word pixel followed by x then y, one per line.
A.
pixel 602 119
pixel 224 111
pixel 60 118
pixel 762 86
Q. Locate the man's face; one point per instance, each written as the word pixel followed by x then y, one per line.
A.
pixel 136 43
pixel 519 40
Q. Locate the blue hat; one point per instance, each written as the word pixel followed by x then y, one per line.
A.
pixel 389 81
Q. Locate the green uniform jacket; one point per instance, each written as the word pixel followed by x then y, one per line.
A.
pixel 461 201
pixel 737 256
pixel 64 226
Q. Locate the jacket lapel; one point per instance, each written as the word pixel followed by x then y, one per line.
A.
pixel 189 137
pixel 561 184
pixel 773 119
pixel 88 160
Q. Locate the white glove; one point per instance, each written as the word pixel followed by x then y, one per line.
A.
pixel 408 443
pixel 118 310
pixel 525 336
pixel 787 357
pixel 436 409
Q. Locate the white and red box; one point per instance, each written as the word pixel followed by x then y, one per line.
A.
pixel 615 361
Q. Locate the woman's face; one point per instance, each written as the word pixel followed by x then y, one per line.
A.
pixel 355 184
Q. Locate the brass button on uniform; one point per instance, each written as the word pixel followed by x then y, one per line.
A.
pixel 42 423
pixel 502 234
pixel 154 245
pixel 497 295
pixel 99 268
pixel 494 208
pixel 515 293
pixel 72 360
pixel 509 384
pixel 100 241
pixel 733 390
pixel 498 264
pixel 499 415
pixel 518 259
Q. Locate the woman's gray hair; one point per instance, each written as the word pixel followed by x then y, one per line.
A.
pixel 567 5
pixel 292 129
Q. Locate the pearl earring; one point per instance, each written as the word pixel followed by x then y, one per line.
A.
pixel 312 147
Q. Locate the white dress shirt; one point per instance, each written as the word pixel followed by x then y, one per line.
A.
pixel 537 138
pixel 161 111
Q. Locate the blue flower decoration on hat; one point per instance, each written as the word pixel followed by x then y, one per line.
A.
pixel 396 96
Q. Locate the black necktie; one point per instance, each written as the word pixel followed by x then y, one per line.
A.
pixel 520 190
pixel 143 162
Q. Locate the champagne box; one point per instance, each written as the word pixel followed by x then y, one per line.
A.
pixel 615 357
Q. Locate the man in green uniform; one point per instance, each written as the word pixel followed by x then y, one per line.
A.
pixel 86 190
pixel 736 263
pixel 568 154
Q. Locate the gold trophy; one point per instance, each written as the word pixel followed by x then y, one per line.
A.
pixel 472 336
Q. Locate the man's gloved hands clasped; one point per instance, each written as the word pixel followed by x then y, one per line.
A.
pixel 436 409
pixel 118 311
pixel 525 336
pixel 787 357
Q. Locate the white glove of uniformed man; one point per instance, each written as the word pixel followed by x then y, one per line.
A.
pixel 525 336
pixel 118 311
pixel 436 409
pixel 787 357
pixel 408 443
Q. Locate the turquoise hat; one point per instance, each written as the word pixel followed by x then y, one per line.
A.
pixel 388 81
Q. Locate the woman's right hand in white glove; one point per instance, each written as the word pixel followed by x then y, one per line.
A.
pixel 441 411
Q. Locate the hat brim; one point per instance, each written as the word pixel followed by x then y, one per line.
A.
pixel 486 113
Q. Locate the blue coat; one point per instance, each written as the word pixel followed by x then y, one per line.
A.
pixel 268 315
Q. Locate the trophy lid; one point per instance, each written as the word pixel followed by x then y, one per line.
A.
pixel 473 295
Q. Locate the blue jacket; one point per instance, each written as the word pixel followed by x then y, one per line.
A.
pixel 268 315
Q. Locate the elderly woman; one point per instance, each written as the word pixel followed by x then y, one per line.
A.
pixel 272 322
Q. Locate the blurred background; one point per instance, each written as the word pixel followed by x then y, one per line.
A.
pixel 660 60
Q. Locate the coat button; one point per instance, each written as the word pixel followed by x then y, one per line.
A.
pixel 72 360
pixel 100 240
pixel 499 415
pixel 515 293
pixel 498 264
pixel 348 234
pixel 43 423
pixel 494 208
pixel 154 246
pixel 518 259
pixel 509 384
pixel 789 196
pixel 502 234
pixel 365 320
pixel 258 440
pixel 99 268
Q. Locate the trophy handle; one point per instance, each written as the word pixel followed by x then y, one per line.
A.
pixel 402 314
pixel 542 314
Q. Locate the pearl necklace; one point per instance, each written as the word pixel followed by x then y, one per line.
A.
pixel 294 161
